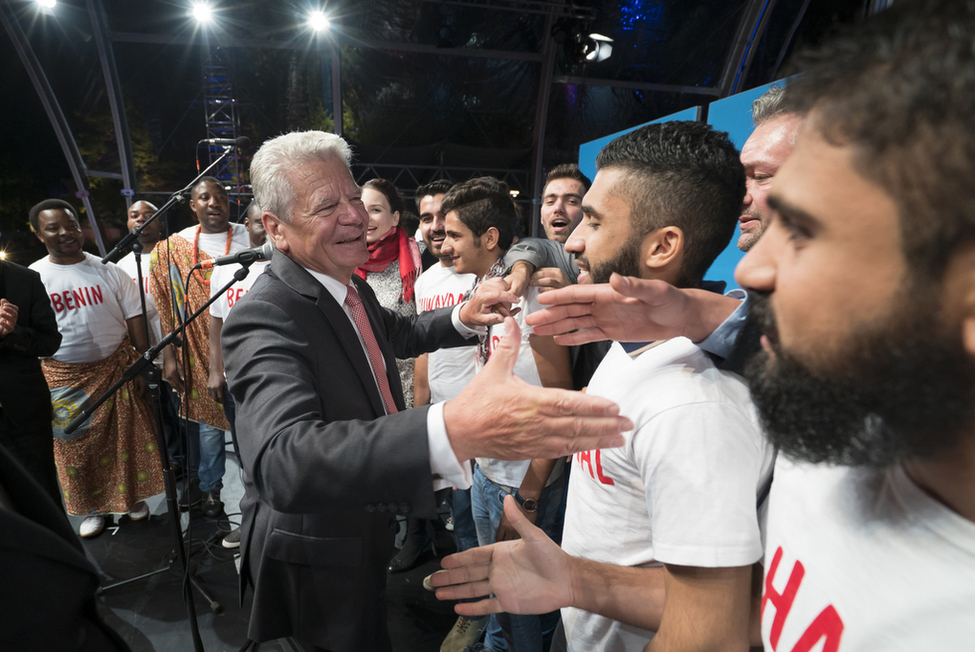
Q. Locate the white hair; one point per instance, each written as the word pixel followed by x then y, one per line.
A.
pixel 278 156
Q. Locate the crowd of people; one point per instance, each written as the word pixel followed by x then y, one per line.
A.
pixel 633 459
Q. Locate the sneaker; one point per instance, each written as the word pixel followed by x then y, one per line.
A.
pixel 139 511
pixel 232 540
pixel 465 634
pixel 212 507
pixel 449 525
pixel 91 527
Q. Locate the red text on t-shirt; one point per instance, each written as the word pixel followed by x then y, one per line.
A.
pixel 77 299
pixel 585 458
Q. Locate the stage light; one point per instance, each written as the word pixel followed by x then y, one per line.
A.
pixel 514 193
pixel 318 22
pixel 599 48
pixel 47 4
pixel 202 12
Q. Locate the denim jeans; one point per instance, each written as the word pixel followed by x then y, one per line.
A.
pixel 213 457
pixel 465 532
pixel 512 632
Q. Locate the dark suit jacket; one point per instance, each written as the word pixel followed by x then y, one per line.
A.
pixel 324 470
pixel 23 390
pixel 48 584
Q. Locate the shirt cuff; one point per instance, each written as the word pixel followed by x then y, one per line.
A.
pixel 722 341
pixel 462 328
pixel 447 470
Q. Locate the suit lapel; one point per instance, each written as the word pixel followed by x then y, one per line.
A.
pixel 293 275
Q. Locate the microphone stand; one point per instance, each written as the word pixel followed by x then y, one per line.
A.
pixel 178 197
pixel 144 367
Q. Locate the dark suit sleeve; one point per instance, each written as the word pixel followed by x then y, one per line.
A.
pixel 308 434
pixel 36 332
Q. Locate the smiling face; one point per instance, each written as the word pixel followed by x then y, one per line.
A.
pixel 327 230
pixel 763 154
pixel 211 206
pixel 601 241
pixel 432 225
pixel 138 214
pixel 61 234
pixel 381 218
pixel 561 208
pixel 469 254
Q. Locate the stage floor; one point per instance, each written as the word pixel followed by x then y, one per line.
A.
pixel 150 613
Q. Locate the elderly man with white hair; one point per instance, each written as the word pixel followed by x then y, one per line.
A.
pixel 329 452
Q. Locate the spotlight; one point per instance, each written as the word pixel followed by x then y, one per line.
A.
pixel 318 22
pixel 514 193
pixel 47 4
pixel 599 48
pixel 202 12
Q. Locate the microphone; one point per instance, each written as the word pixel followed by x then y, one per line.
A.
pixel 242 142
pixel 242 257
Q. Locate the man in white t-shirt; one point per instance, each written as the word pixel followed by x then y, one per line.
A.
pixel 674 511
pixel 109 465
pixel 480 226
pixel 213 236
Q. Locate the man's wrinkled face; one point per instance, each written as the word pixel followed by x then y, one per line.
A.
pixel 138 214
pixel 211 206
pixel 327 230
pixel 763 154
pixel 432 224
pixel 601 242
pixel 61 234
pixel 561 208
pixel 860 364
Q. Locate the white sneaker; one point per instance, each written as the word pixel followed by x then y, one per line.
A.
pixel 139 511
pixel 91 527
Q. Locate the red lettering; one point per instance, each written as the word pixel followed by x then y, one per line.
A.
pixel 145 281
pixel 57 303
pixel 240 293
pixel 88 295
pixel 828 625
pixel 96 295
pixel 67 299
pixel 583 458
pixel 599 471
pixel 230 297
pixel 79 298
pixel 783 602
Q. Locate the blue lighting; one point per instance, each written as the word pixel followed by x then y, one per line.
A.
pixel 645 14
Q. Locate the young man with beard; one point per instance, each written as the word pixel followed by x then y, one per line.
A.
pixel 867 386
pixel 675 510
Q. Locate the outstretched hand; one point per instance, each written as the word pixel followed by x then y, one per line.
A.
pixel 500 416
pixel 527 576
pixel 489 305
pixel 629 309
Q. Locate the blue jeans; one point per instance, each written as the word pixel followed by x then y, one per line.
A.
pixel 465 532
pixel 512 632
pixel 213 457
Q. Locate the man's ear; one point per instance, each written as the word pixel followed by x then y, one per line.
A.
pixel 489 239
pixel 663 249
pixel 275 231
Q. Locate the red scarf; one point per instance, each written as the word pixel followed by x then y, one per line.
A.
pixel 392 246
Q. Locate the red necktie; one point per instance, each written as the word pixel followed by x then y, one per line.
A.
pixel 354 303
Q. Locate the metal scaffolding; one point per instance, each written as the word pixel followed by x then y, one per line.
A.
pixel 220 108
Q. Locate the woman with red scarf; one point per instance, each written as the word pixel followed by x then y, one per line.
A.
pixel 394 260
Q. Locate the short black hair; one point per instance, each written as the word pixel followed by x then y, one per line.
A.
pixel 482 203
pixel 51 205
pixel 900 90
pixel 568 171
pixel 386 187
pixel 208 179
pixel 683 174
pixel 438 187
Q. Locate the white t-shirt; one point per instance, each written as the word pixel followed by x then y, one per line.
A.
pixel 448 370
pixel 91 302
pixel 505 472
pixel 223 275
pixel 128 266
pixel 871 562
pixel 681 490
pixel 215 244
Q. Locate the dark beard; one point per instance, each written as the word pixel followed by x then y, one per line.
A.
pixel 901 389
pixel 626 262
